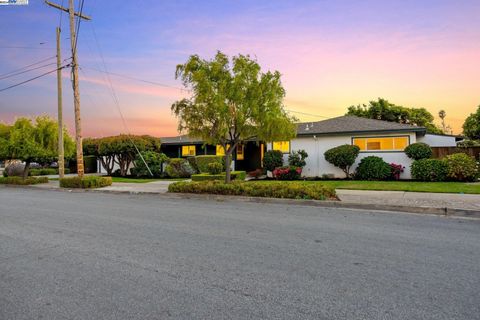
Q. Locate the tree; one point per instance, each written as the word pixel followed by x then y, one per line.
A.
pixel 471 126
pixel 384 110
pixel 343 156
pixel 34 142
pixel 232 101
pixel 442 114
pixel 121 150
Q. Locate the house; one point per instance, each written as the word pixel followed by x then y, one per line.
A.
pixel 373 137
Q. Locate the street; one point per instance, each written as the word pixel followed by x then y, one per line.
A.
pixel 107 256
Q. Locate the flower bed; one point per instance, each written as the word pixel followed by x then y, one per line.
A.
pixel 288 173
pixel 292 190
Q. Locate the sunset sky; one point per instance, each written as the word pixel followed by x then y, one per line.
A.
pixel 332 54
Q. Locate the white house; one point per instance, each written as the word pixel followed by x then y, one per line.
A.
pixel 374 137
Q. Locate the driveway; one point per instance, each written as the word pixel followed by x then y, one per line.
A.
pixel 108 256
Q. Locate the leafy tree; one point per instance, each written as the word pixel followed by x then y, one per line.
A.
pixel 343 156
pixel 33 142
pixel 121 150
pixel 232 101
pixel 154 161
pixel 384 110
pixel 471 126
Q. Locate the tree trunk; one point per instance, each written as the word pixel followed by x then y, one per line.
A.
pixel 227 168
pixel 25 170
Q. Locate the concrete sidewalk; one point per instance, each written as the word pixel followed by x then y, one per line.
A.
pixel 412 199
pixel 362 198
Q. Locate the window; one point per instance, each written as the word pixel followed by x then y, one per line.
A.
pixel 221 150
pixel 283 146
pixel 240 152
pixel 188 151
pixel 381 143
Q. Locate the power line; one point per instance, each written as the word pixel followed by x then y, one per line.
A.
pixel 25 71
pixel 34 78
pixel 307 114
pixel 78 25
pixel 26 47
pixel 136 79
pixel 25 67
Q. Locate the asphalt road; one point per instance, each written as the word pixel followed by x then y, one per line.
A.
pixel 105 256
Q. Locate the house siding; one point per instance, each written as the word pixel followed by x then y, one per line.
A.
pixel 317 165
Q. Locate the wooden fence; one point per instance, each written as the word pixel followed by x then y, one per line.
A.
pixel 440 152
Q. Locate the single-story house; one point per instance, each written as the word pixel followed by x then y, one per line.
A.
pixel 374 137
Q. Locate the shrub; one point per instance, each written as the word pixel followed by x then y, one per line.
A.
pixel 14 170
pixel 203 161
pixel 179 168
pixel 272 159
pixel 288 173
pixel 85 182
pixel 297 158
pixel 234 175
pixel 193 163
pixel 396 170
pixel 154 161
pixel 21 181
pixel 462 167
pixel 429 170
pixel 419 150
pixel 293 190
pixel 43 172
pixel 373 168
pixel 343 157
pixel 215 168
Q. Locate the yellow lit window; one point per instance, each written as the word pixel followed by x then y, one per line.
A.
pixel 188 151
pixel 262 153
pixel 381 144
pixel 240 152
pixel 283 146
pixel 221 150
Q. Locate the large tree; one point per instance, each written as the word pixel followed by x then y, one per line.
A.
pixel 384 110
pixel 232 101
pixel 30 141
pixel 471 126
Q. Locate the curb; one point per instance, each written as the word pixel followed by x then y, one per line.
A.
pixel 442 211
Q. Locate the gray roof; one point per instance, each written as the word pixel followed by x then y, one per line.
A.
pixel 353 124
pixel 181 140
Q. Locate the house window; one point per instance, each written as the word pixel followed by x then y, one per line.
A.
pixel 221 150
pixel 188 151
pixel 381 143
pixel 283 146
pixel 240 152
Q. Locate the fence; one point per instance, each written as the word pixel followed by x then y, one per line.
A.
pixel 440 152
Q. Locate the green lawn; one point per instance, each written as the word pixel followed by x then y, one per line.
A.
pixel 411 186
pixel 135 180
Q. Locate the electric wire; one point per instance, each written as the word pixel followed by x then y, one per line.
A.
pixel 25 71
pixel 28 66
pixel 31 79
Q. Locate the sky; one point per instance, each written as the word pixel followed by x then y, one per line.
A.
pixel 331 54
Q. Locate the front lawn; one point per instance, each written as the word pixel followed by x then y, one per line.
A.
pixel 410 186
pixel 139 180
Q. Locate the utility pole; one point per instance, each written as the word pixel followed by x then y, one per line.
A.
pixel 76 91
pixel 61 158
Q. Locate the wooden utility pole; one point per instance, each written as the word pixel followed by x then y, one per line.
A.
pixel 61 158
pixel 76 90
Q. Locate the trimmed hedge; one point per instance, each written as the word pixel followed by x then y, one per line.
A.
pixel 204 161
pixel 46 171
pixel 272 159
pixel 215 168
pixel 418 151
pixel 343 157
pixel 293 190
pixel 373 168
pixel 429 170
pixel 235 175
pixel 86 182
pixel 23 182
